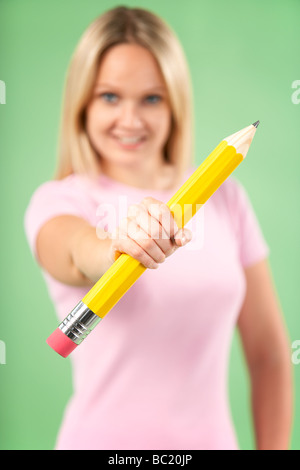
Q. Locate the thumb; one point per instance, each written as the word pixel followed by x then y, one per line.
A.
pixel 183 236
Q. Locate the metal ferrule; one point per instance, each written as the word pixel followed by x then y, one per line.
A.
pixel 79 323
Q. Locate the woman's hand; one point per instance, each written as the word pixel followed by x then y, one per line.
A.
pixel 149 234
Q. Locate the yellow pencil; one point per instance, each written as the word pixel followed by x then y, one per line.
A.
pixel 123 273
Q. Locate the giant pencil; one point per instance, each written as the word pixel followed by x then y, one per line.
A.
pixel 123 273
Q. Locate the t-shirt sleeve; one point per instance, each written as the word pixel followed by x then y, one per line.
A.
pixel 52 199
pixel 252 246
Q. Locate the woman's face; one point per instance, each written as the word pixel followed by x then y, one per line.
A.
pixel 129 116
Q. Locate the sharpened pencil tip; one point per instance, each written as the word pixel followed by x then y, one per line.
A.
pixel 255 124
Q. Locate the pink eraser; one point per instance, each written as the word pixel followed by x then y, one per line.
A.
pixel 61 343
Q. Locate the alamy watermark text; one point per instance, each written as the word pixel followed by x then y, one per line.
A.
pixel 2 352
pixel 296 94
pixel 2 92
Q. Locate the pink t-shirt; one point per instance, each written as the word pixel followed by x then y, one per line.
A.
pixel 153 373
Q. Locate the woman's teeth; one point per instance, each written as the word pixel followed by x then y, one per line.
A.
pixel 130 140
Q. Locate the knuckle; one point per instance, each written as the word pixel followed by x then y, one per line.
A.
pixel 154 230
pixel 189 235
pixel 168 220
pixel 137 253
pixel 156 210
pixel 114 234
pixel 170 251
pixel 165 210
pixel 147 243
pixel 132 228
pixel 150 202
pixel 124 223
pixel 146 200
pixel 161 258
pixel 133 210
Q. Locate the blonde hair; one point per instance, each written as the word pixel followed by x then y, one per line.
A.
pixel 117 26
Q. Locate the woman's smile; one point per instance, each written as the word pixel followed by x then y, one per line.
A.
pixel 129 142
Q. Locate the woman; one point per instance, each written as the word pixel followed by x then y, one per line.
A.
pixel 152 375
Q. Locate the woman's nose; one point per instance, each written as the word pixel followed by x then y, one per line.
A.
pixel 130 116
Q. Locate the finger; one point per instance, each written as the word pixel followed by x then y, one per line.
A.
pixel 141 216
pixel 133 210
pixel 139 245
pixel 149 225
pixel 150 246
pixel 145 241
pixel 114 252
pixel 182 237
pixel 162 213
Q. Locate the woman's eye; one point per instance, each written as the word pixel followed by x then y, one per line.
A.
pixel 113 98
pixel 109 97
pixel 152 99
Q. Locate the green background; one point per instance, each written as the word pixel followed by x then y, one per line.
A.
pixel 243 57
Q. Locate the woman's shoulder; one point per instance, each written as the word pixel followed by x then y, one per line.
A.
pixel 67 195
pixel 53 198
pixel 72 186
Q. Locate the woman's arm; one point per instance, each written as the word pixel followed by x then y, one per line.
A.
pixel 69 249
pixel 72 251
pixel 267 351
